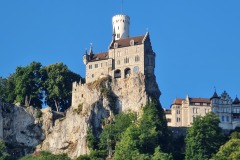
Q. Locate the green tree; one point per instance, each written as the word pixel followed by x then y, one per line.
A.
pixel 7 88
pixel 142 138
pixel 3 152
pixel 159 155
pixel 112 133
pixel 28 85
pixel 127 148
pixel 57 84
pixel 45 156
pixel 231 149
pixel 204 137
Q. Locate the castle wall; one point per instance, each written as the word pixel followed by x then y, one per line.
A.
pixel 128 57
pixel 96 69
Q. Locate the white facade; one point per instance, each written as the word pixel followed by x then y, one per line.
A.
pixel 121 25
pixel 183 111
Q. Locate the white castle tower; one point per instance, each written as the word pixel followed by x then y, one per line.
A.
pixel 121 25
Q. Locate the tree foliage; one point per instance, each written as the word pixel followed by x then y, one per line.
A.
pixel 32 84
pixel 231 149
pixel 112 133
pixel 28 85
pixel 145 138
pixel 7 89
pixel 57 84
pixel 46 156
pixel 204 137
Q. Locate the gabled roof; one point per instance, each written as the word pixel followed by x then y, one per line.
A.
pixel 99 56
pixel 236 101
pixel 125 42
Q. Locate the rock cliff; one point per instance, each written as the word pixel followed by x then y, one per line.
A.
pixel 93 106
pixel 19 128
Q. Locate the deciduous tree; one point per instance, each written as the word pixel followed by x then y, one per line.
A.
pixel 204 137
pixel 28 85
pixel 58 79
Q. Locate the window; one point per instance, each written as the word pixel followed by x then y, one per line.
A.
pixel 126 60
pixel 195 110
pixel 90 66
pixel 118 62
pixel 137 58
pixel 92 75
pixel 169 120
pixel 132 42
pixel 118 35
pixel 96 65
pixel 178 111
pixel 227 118
pixel 101 64
pixel 118 54
pixel 222 118
pixel 115 45
pixel 178 119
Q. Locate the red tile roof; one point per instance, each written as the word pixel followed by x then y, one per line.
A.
pixel 178 101
pixel 199 100
pixel 125 42
pixel 100 56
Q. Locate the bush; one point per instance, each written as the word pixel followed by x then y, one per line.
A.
pixel 45 156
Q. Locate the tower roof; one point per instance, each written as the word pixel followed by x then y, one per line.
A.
pixel 215 95
pixel 236 101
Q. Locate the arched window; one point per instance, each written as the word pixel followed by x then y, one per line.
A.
pixel 127 72
pixel 117 74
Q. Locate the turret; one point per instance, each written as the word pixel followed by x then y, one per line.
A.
pixel 87 56
pixel 121 25
pixel 214 98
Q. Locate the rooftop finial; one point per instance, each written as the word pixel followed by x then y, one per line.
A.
pixel 91 50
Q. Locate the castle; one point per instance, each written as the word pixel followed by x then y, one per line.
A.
pixel 126 55
pixel 184 111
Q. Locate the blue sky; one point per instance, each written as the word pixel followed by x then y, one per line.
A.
pixel 197 43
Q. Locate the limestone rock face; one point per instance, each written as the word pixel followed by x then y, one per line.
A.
pixel 93 105
pixel 19 129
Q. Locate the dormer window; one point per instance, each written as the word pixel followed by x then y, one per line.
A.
pixel 115 45
pixel 132 42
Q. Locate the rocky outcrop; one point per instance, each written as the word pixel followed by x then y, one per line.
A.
pixel 19 128
pixel 95 104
